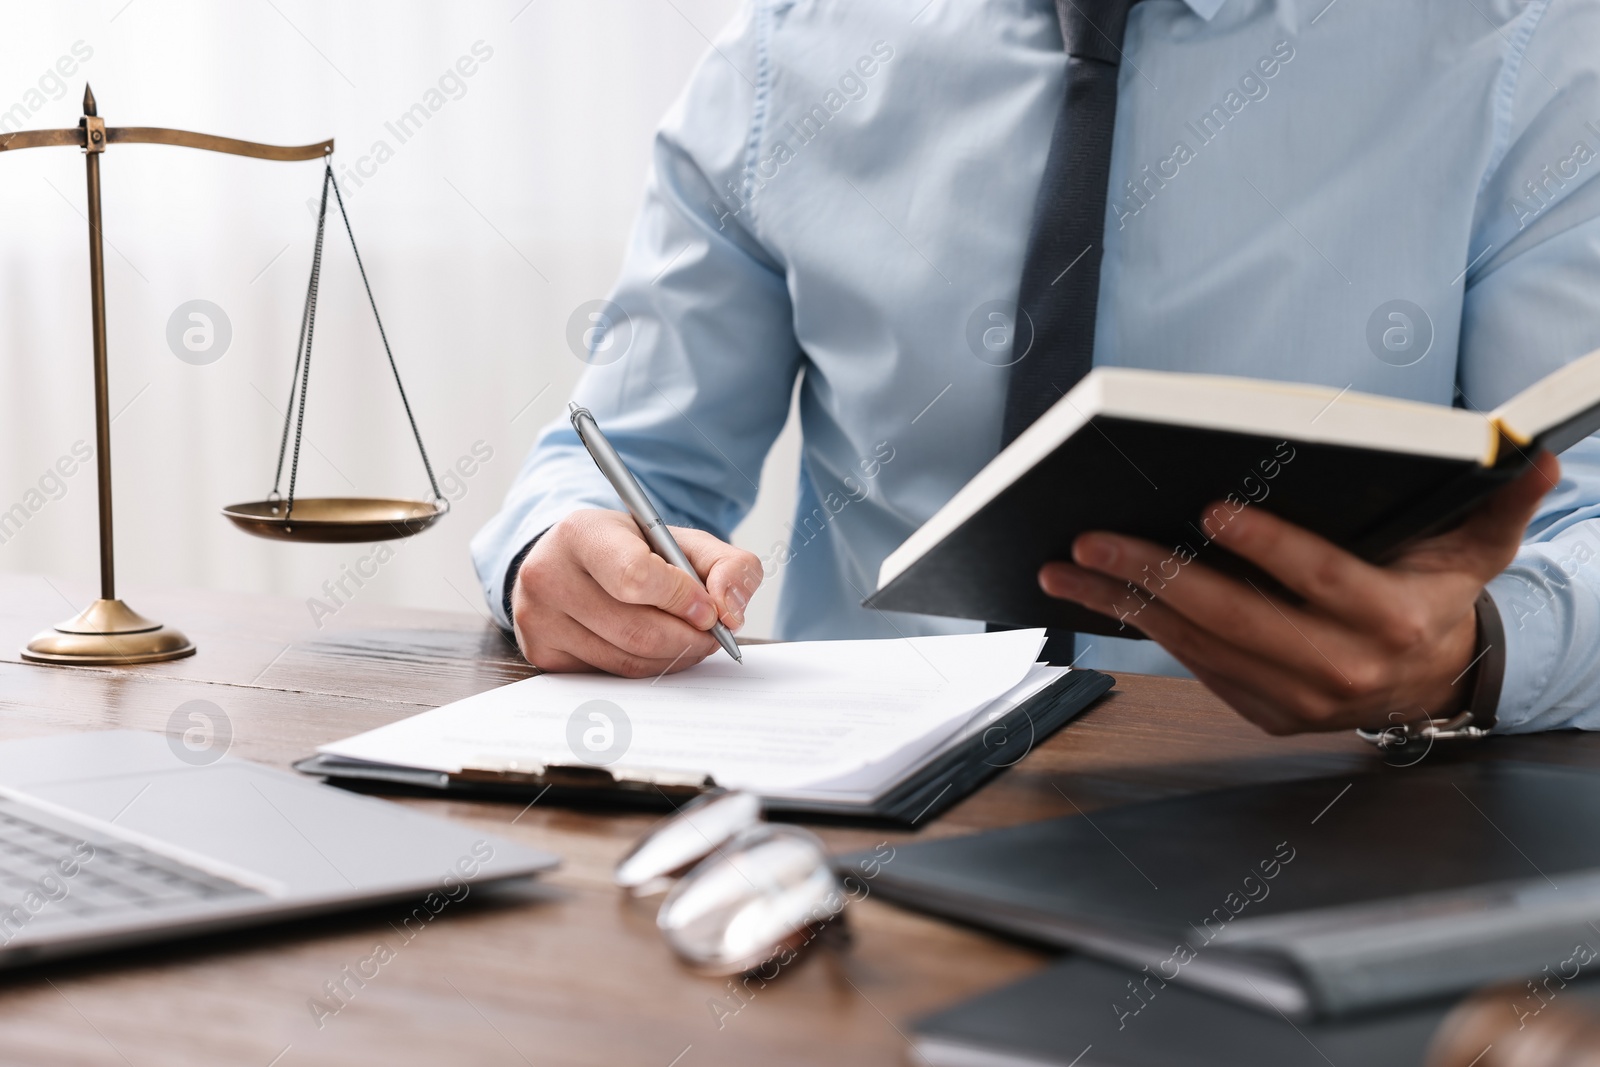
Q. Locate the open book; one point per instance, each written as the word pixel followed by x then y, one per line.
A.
pixel 1143 453
pixel 892 729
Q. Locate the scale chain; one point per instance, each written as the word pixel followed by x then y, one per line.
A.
pixel 301 377
pixel 294 381
pixel 311 326
pixel 384 337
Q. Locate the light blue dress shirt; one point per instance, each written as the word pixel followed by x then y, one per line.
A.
pixel 1393 197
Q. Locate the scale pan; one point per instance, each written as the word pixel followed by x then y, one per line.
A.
pixel 335 519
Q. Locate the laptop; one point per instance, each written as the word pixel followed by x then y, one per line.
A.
pixel 119 838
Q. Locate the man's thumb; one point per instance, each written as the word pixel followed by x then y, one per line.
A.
pixel 1503 519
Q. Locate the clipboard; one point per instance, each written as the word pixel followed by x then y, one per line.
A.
pixel 947 777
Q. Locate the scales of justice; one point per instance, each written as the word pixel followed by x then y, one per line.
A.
pixel 108 631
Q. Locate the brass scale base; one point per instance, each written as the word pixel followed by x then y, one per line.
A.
pixel 108 632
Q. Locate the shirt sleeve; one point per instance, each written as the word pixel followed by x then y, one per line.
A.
pixel 1532 303
pixel 693 361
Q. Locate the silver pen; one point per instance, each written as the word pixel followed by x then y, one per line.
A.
pixel 650 524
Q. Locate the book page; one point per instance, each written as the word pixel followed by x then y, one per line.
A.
pixel 792 714
pixel 1558 410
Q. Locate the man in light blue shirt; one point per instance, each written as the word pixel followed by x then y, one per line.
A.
pixel 1393 198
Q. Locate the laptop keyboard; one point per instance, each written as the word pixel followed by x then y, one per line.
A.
pixel 53 870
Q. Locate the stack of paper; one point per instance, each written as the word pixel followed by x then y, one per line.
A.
pixel 834 720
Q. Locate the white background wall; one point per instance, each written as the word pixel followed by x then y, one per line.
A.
pixel 481 234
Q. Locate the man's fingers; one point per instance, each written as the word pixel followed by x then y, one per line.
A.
pixel 731 574
pixel 1248 617
pixel 596 630
pixel 568 645
pixel 1273 689
pixel 1368 640
pixel 1327 576
pixel 639 630
pixel 622 563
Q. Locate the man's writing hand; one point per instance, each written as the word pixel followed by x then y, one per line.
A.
pixel 591 595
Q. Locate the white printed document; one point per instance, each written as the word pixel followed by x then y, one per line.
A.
pixel 831 719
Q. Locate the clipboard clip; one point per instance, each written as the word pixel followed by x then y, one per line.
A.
pixel 584 777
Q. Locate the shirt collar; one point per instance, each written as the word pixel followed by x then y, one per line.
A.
pixel 1205 8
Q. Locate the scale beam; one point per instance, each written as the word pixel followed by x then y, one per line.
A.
pixel 10 142
pixel 108 632
pixel 212 143
pixel 157 135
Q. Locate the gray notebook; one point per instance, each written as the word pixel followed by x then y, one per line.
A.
pixel 1084 1013
pixel 1319 898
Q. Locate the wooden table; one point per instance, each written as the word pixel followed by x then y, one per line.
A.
pixel 568 970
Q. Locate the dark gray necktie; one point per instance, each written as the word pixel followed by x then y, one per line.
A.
pixel 1061 271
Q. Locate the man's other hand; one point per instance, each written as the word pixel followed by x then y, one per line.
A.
pixel 591 596
pixel 1367 646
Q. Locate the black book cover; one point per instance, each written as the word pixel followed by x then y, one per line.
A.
pixel 1153 480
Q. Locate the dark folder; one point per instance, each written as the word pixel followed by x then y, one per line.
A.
pixel 1320 897
pixel 1084 1013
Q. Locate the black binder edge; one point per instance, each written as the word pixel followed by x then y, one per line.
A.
pixel 960 772
pixel 940 784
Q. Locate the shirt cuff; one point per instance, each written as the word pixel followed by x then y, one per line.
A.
pixel 509 582
pixel 1530 644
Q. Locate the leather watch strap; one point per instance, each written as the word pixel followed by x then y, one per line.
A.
pixel 1484 702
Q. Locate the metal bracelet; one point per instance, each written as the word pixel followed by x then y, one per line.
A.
pixel 1458 727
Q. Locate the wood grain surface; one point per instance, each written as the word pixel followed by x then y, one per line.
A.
pixel 566 970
